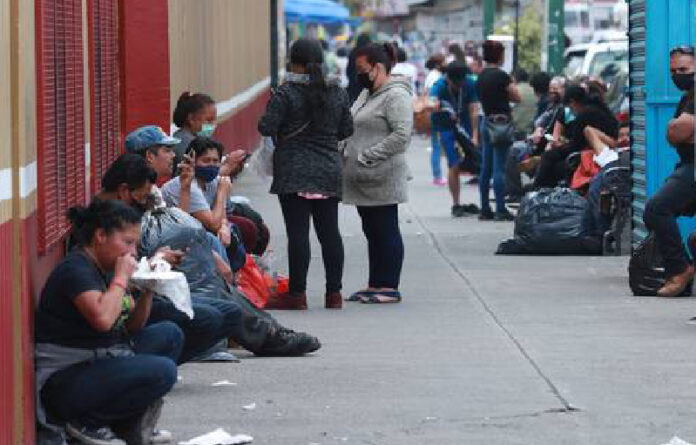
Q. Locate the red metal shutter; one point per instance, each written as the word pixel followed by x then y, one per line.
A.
pixel 105 144
pixel 60 116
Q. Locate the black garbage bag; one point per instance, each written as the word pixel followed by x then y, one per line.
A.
pixel 550 222
pixel 646 270
pixel 471 154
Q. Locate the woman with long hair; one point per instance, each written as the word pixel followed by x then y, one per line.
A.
pixel 307 117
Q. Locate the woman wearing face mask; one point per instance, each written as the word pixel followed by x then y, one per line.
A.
pixel 375 169
pixel 308 116
pixel 205 194
pixel 195 115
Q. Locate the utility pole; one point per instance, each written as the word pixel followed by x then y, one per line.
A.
pixel 488 18
pixel 274 43
pixel 515 50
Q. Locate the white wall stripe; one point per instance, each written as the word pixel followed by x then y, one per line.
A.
pixel 5 184
pixel 27 181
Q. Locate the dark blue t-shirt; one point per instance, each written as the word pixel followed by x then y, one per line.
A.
pixel 442 92
pixel 58 320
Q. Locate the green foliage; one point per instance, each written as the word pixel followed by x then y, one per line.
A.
pixel 530 33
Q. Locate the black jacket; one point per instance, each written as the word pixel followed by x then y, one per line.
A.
pixel 309 160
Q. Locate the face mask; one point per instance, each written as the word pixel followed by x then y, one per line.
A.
pixel 365 81
pixel 683 81
pixel 569 115
pixel 207 130
pixel 208 173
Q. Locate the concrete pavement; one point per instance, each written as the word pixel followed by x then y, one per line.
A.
pixel 483 350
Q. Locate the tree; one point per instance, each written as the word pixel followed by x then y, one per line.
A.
pixel 529 47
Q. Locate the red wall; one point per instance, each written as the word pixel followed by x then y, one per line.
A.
pixel 239 130
pixel 144 53
pixel 7 402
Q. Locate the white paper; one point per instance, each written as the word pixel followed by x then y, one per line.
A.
pixel 249 407
pixel 224 383
pixel 219 437
pixel 677 441
pixel 156 275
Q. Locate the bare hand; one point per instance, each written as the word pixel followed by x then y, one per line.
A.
pixel 173 257
pixel 224 186
pixel 233 163
pixel 186 170
pixel 475 139
pixel 125 267
pixel 225 235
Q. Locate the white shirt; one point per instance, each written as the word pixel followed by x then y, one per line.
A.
pixel 407 70
pixel 432 77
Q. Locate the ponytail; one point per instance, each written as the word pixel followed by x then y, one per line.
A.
pixel 309 54
pixel 189 104
pixel 109 215
pixel 385 53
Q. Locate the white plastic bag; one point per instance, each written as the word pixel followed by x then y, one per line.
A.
pixel 156 275
pixel 262 160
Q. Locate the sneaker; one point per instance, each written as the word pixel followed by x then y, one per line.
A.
pixel 93 436
pixel 486 215
pixel 504 216
pixel 161 437
pixel 472 209
pixel 140 430
pixel 284 342
pixel 463 210
pixel 458 211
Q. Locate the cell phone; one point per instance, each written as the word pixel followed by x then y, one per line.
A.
pixel 246 157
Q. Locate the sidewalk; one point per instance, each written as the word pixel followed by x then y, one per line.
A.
pixel 483 350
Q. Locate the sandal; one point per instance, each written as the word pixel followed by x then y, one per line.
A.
pixel 381 297
pixel 357 296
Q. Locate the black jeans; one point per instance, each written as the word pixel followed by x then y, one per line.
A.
pixel 324 213
pixel 104 391
pixel 552 167
pixel 213 320
pixel 385 245
pixel 676 197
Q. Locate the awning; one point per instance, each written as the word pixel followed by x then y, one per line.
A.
pixel 315 11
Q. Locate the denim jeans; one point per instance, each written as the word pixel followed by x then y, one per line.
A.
pixel 676 197
pixel 104 391
pixel 297 212
pixel 385 245
pixel 493 159
pixel 213 320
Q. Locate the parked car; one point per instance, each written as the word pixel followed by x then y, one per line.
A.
pixel 604 60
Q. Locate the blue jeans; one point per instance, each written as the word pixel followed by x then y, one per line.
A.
pixel 443 140
pixel 492 164
pixel 213 320
pixel 104 391
pixel 385 245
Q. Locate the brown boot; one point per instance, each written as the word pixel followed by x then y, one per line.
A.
pixel 676 284
pixel 292 301
pixel 333 300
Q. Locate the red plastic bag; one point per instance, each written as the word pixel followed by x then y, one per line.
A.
pixel 253 283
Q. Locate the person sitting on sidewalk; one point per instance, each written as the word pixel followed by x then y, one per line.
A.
pixel 456 91
pixel 211 280
pixel 101 371
pixel 677 196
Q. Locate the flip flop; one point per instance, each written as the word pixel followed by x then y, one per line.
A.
pixel 374 297
pixel 357 296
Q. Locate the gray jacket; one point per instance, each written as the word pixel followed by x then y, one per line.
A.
pixel 375 171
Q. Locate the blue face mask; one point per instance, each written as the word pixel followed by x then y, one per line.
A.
pixel 207 130
pixel 208 173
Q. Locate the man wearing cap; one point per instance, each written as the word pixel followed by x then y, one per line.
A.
pixel 677 196
pixel 156 146
pixel 456 92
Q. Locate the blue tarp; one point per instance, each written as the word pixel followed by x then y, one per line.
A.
pixel 315 11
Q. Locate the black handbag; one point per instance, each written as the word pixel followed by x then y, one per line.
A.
pixel 500 129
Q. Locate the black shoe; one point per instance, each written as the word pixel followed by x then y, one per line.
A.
pixel 504 216
pixel 458 211
pixel 472 209
pixel 510 199
pixel 283 342
pixel 93 436
pixel 473 180
pixel 139 430
pixel 486 215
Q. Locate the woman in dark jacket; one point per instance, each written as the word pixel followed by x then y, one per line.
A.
pixel 308 116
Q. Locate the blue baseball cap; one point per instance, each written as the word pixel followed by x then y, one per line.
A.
pixel 146 137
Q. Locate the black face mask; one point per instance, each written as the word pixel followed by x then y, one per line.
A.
pixel 683 81
pixel 364 80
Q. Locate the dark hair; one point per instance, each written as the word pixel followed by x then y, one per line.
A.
pixel 324 44
pixel 435 61
pixel 624 124
pixel 308 54
pixel 457 52
pixel 110 215
pixel 457 71
pixel 401 55
pixel 200 144
pixel 342 52
pixel 189 104
pixel 363 39
pixel 384 53
pixel 576 93
pixel 521 75
pixel 493 51
pixel 540 82
pixel 130 169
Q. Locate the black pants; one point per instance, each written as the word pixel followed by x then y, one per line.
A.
pixel 324 213
pixel 385 246
pixel 552 167
pixel 676 197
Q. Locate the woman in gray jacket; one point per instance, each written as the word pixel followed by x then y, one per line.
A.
pixel 375 170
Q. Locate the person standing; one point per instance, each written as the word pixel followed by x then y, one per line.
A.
pixel 308 117
pixel 375 168
pixel 677 196
pixel 495 90
pixel 354 87
pixel 457 103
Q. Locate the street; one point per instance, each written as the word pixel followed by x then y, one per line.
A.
pixel 484 349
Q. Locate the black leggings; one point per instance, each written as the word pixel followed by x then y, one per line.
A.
pixel 324 213
pixel 385 245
